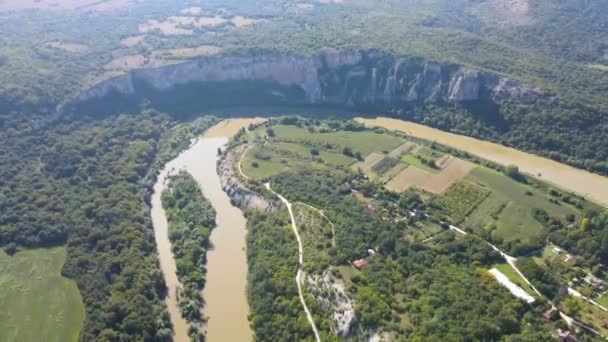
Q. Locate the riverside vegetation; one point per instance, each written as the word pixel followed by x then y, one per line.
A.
pixel 191 218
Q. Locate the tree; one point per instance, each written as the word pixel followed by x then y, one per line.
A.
pixel 270 132
pixel 584 223
pixel 512 171
pixel 347 151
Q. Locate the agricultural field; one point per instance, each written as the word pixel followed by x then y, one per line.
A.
pixel 402 150
pixel 410 177
pixel 508 210
pixel 38 304
pixel 415 161
pixel 461 198
pixel 384 165
pixel 368 163
pixel 364 142
pixel 453 170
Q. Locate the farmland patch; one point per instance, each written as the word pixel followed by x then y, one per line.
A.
pixel 461 198
pixel 384 165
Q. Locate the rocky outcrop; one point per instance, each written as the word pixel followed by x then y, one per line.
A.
pixel 333 300
pixel 239 194
pixel 343 78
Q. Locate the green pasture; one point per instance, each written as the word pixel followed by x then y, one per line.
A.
pixel 509 207
pixel 38 304
pixel 364 142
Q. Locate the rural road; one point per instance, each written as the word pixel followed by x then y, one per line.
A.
pixel 511 261
pixel 241 162
pixel 300 262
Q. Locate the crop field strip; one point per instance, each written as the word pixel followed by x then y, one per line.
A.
pixel 384 165
pixel 461 199
pixel 453 170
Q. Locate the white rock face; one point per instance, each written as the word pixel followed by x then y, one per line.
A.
pixel 464 86
pixel 330 77
pixel 331 295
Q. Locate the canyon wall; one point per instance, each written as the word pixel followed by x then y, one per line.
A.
pixel 342 78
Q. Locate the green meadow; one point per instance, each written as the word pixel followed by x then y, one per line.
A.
pixel 509 207
pixel 38 304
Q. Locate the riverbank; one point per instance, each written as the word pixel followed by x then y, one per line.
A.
pixel 224 294
pixel 581 182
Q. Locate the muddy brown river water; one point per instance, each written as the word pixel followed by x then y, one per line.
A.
pixel 226 303
pixel 590 185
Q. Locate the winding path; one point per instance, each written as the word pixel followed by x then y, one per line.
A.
pixel 300 262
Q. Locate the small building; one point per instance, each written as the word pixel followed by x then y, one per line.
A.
pixel 566 336
pixel 550 314
pixel 371 252
pixel 359 263
pixel 557 250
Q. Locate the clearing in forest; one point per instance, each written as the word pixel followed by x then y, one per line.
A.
pixel 38 304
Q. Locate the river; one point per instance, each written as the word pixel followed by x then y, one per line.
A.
pixel 590 185
pixel 225 291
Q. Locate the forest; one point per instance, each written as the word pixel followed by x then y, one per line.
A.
pixel 84 183
pixel 191 218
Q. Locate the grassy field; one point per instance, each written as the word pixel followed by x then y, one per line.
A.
pixel 509 207
pixel 603 300
pixel 38 304
pixel 510 273
pixel 263 161
pixel 422 230
pixel 364 142
pixel 412 160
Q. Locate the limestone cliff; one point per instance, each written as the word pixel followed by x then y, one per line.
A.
pixel 330 77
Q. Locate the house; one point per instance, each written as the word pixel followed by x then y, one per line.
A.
pixel 359 263
pixel 566 336
pixel 550 314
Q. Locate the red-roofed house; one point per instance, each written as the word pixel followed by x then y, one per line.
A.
pixel 359 263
